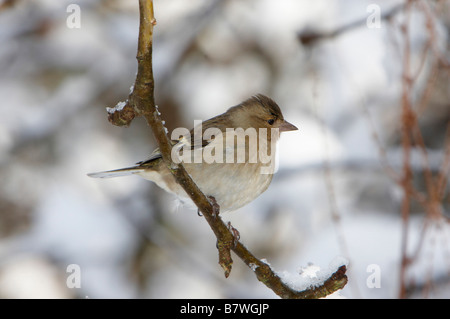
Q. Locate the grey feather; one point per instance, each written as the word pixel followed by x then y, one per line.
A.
pixel 117 172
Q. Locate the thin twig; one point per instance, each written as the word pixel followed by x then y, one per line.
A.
pixel 407 118
pixel 311 37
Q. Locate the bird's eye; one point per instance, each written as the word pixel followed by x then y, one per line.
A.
pixel 271 121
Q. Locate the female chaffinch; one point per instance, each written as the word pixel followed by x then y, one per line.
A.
pixel 229 156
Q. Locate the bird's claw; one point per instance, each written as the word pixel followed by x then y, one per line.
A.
pixel 214 205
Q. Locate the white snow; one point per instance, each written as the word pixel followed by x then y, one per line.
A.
pixel 119 107
pixel 311 275
pixel 253 266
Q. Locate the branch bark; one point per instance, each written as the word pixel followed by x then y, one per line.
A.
pixel 141 102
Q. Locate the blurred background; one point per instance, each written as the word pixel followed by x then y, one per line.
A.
pixel 365 176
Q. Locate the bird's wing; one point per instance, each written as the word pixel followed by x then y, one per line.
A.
pixel 216 125
pixel 194 140
pixel 154 157
pixel 156 154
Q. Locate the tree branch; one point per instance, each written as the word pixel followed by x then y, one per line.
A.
pixel 141 102
pixel 311 37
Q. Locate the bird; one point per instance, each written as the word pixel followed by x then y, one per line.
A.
pixel 230 157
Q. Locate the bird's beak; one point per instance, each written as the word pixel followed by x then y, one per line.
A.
pixel 285 126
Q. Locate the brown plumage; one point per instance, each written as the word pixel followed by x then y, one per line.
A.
pixel 232 180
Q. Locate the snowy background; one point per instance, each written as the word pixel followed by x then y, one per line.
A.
pixel 333 196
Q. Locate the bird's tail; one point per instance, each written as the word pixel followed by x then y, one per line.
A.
pixel 117 172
